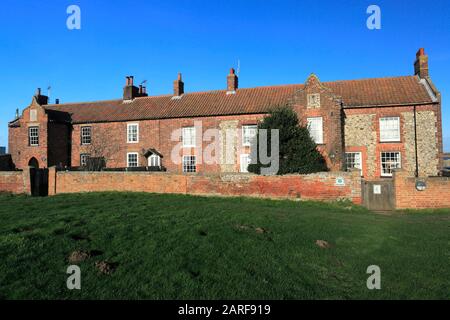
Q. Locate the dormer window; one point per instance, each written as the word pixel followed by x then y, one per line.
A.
pixel 154 161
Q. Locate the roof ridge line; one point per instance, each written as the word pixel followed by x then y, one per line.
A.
pixel 119 100
pixel 366 79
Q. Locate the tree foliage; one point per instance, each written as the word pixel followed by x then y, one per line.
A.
pixel 297 151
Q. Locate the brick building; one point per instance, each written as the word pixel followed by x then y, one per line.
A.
pixel 372 124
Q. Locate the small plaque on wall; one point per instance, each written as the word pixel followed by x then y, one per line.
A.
pixel 313 100
pixel 340 182
pixel 377 189
pixel 421 185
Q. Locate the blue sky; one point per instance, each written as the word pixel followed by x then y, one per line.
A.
pixel 277 42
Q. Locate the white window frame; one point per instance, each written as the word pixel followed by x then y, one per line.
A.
pixel 188 142
pixel 245 160
pixel 131 134
pixel 317 139
pixel 128 159
pixel 248 135
pixel 386 136
pixel 83 135
pixel 35 137
pixel 387 174
pixel 360 159
pixel 85 156
pixel 151 160
pixel 187 166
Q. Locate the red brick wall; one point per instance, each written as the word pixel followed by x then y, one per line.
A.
pixel 18 147
pixel 319 186
pixel 331 113
pixel 154 134
pixel 15 181
pixel 436 194
pixel 58 144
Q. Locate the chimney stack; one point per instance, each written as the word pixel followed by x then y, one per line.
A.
pixel 130 91
pixel 232 82
pixel 142 91
pixel 421 64
pixel 178 86
pixel 40 99
pixel 130 80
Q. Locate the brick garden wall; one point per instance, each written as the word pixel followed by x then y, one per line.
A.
pixel 15 181
pixel 436 194
pixel 321 186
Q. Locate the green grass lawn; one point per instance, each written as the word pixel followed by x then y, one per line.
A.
pixel 184 247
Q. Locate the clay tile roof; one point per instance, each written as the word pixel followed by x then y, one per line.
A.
pixel 381 91
pixel 355 93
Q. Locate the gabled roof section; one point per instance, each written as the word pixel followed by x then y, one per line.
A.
pixel 14 123
pixel 355 93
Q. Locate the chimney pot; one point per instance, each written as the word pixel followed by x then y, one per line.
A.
pixel 421 52
pixel 38 91
pixel 56 101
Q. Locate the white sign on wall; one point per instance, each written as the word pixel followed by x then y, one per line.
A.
pixel 340 182
pixel 377 189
